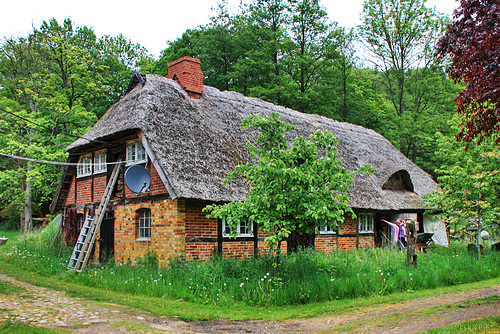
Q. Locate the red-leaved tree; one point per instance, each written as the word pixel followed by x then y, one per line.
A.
pixel 473 43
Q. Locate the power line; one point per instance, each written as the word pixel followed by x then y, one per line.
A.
pixel 51 129
pixel 11 156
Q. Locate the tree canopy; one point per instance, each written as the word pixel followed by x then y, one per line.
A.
pixel 472 41
pixel 295 187
pixel 56 81
pixel 54 84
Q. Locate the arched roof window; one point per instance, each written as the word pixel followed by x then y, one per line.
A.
pixel 399 181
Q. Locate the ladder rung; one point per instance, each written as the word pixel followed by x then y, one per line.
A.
pixel 87 235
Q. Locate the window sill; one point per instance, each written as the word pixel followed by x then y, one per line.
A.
pixel 143 239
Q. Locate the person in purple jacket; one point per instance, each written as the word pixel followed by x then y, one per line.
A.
pixel 399 236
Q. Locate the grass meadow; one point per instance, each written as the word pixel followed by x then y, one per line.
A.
pixel 304 277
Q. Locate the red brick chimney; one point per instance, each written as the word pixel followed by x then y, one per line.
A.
pixel 186 71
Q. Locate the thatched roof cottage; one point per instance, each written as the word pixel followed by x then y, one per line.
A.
pixel 189 137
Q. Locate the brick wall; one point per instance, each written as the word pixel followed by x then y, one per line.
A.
pixel 100 183
pixel 167 231
pixel 326 243
pixel 198 228
pixel 157 186
pixel 366 242
pixel 83 190
pixel 70 199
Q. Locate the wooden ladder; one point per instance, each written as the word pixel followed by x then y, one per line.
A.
pixel 88 234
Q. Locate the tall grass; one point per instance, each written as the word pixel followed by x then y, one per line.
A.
pixel 303 277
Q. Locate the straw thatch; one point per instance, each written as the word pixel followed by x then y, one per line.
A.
pixel 196 143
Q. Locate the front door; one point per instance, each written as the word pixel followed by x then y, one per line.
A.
pixel 107 241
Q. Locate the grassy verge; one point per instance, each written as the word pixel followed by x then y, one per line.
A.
pixel 18 328
pixel 308 284
pixel 194 311
pixel 480 326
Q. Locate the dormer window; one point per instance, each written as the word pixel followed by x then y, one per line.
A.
pixel 400 180
pixel 84 167
pixel 136 153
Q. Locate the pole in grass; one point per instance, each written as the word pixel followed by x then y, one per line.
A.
pixel 411 248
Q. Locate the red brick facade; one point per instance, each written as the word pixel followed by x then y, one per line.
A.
pixel 179 228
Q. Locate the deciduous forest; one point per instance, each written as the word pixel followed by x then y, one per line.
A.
pixel 384 75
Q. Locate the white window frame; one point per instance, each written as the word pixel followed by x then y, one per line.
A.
pixel 365 222
pixel 144 224
pixel 243 229
pixel 134 149
pixel 325 228
pixel 100 159
pixel 84 167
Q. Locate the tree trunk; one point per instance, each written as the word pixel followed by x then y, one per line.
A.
pixel 28 210
pixel 298 241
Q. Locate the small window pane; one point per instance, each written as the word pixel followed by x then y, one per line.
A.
pixel 131 152
pixel 100 162
pixel 84 167
pixel 136 152
pixel 243 229
pixel 365 223
pixel 141 153
pixel 145 224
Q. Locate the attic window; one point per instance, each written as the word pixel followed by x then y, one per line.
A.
pixel 84 167
pixel 135 152
pixel 399 181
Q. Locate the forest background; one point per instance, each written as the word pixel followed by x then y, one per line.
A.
pixel 59 79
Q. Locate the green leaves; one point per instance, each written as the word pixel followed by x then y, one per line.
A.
pixel 54 84
pixel 469 181
pixel 295 185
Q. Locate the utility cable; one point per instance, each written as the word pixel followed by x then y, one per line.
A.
pixel 51 129
pixel 11 156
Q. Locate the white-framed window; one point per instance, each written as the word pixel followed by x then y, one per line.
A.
pixel 84 167
pixel 243 229
pixel 144 224
pixel 365 222
pixel 100 162
pixel 325 228
pixel 136 153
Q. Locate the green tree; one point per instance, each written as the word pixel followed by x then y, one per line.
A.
pixel 52 84
pixel 295 188
pixel 311 48
pixel 261 34
pixel 400 34
pixel 469 181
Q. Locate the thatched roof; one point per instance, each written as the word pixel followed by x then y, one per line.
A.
pixel 197 142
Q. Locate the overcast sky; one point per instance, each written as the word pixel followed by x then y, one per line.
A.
pixel 148 22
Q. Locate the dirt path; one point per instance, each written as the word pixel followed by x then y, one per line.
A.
pixel 40 306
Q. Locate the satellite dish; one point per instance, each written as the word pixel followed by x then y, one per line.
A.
pixel 137 179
